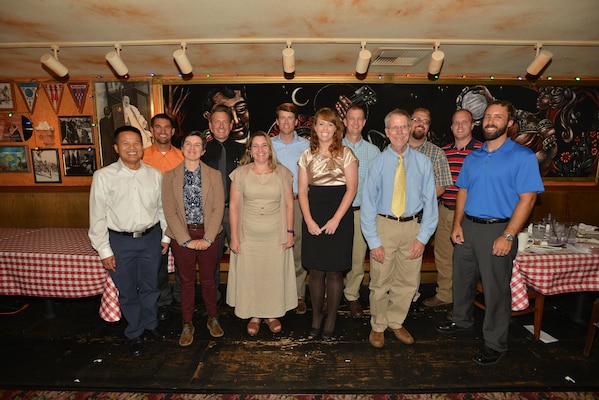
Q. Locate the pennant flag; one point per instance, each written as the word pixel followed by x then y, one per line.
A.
pixel 79 92
pixel 54 92
pixel 29 91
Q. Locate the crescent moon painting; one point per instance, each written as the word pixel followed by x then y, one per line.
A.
pixel 295 100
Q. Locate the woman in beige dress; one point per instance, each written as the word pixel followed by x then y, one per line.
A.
pixel 261 281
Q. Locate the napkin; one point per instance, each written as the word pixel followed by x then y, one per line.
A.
pixel 584 228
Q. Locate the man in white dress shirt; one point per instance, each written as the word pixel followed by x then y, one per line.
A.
pixel 126 225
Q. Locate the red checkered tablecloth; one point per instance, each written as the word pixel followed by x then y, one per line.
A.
pixel 554 273
pixel 56 262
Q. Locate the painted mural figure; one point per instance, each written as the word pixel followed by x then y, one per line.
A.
pixel 235 100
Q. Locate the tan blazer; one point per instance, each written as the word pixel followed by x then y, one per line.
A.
pixel 213 202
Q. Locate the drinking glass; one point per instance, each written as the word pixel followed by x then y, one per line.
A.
pixel 538 232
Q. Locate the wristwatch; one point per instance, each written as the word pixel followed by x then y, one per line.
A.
pixel 508 237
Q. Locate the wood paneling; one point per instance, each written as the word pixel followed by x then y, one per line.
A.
pixel 26 208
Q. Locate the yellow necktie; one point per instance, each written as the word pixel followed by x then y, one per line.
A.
pixel 398 202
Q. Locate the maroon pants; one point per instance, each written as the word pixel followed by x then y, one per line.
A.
pixel 185 260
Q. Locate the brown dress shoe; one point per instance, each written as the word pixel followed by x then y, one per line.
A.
pixel 377 339
pixel 355 308
pixel 186 334
pixel 403 335
pixel 434 302
pixel 214 327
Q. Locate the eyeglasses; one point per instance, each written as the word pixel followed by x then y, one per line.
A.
pixel 424 121
pixel 399 128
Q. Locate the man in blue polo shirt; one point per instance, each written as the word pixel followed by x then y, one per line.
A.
pixel 497 190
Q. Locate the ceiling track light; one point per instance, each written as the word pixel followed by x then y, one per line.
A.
pixel 115 61
pixel 182 61
pixel 288 59
pixel 363 60
pixel 436 62
pixel 540 62
pixel 52 63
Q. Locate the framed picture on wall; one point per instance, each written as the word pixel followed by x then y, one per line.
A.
pixel 122 103
pixel 76 130
pixel 14 159
pixel 46 167
pixel 79 162
pixel 7 97
pixel 15 127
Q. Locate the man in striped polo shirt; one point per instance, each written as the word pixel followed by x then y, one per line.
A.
pixel 461 127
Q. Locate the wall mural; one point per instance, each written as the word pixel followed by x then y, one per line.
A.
pixel 559 123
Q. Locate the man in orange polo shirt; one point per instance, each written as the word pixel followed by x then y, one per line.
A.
pixel 163 156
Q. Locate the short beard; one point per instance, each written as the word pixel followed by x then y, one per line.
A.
pixel 492 136
pixel 418 135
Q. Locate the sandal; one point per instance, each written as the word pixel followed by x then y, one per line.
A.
pixel 273 324
pixel 253 326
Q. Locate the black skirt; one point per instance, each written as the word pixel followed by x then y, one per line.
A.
pixel 328 252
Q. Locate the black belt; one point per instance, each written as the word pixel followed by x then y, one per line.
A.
pixel 403 219
pixel 487 220
pixel 136 235
pixel 357 208
pixel 449 206
pixel 195 227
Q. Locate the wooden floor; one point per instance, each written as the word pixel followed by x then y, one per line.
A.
pixel 77 350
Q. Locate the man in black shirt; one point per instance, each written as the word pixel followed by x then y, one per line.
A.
pixel 222 153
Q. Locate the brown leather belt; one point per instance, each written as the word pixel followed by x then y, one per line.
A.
pixel 402 219
pixel 449 206
pixel 355 208
pixel 195 227
pixel 487 220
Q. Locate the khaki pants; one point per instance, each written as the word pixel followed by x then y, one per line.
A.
pixel 300 272
pixel 444 254
pixel 394 282
pixel 355 276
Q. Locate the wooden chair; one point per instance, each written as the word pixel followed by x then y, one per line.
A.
pixel 536 306
pixel 593 325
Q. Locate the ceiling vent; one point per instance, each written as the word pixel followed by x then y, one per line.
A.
pixel 403 56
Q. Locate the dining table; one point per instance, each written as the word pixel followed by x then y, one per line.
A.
pixel 551 270
pixel 56 263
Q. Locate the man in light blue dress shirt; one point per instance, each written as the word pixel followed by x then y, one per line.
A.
pixel 288 148
pixel 396 241
pixel 354 121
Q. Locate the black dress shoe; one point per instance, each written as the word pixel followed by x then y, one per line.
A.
pixel 414 311
pixel 155 334
pixel 136 346
pixel 487 356
pixel 314 333
pixel 163 313
pixel 451 327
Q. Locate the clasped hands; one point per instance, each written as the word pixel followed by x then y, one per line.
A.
pixel 329 228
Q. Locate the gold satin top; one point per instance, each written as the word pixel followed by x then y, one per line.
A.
pixel 323 170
